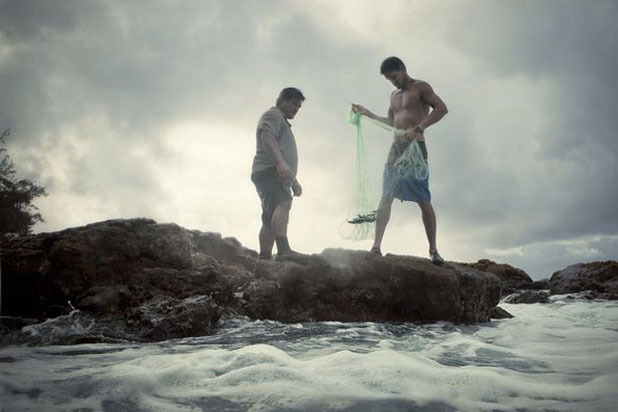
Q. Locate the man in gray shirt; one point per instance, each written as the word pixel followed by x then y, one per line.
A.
pixel 274 172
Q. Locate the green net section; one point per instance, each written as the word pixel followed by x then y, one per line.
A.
pixel 360 224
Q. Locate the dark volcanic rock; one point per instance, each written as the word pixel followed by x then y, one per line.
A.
pixel 540 284
pixel 529 296
pixel 498 313
pixel 512 278
pixel 601 278
pixel 139 280
pixel 104 299
pixel 164 317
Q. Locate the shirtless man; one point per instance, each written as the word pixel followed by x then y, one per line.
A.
pixel 410 111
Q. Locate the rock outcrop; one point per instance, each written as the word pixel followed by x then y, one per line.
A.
pixel 528 296
pixel 599 278
pixel 139 280
pixel 511 278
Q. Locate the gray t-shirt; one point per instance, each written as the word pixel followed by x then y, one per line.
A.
pixel 274 121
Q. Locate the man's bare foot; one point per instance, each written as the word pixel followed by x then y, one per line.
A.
pixel 436 259
pixel 291 255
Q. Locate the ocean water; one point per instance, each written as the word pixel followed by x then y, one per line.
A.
pixel 561 356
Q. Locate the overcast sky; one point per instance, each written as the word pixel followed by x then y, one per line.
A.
pixel 148 109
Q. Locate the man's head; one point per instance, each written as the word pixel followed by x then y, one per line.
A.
pixel 395 71
pixel 289 101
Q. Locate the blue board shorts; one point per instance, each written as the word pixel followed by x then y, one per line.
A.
pixel 408 188
pixel 272 190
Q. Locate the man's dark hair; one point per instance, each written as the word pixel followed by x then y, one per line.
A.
pixel 290 93
pixel 392 64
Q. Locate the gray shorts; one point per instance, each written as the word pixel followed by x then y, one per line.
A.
pixel 272 191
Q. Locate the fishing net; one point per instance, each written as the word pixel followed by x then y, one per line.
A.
pixel 360 223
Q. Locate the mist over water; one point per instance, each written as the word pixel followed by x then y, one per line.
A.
pixel 561 356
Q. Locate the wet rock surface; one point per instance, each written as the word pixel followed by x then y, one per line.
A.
pixel 499 313
pixel 529 296
pixel 511 278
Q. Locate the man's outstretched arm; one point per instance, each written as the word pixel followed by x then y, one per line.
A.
pixel 362 110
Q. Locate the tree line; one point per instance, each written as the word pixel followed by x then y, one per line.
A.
pixel 17 213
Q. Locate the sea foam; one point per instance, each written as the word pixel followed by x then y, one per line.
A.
pixel 561 356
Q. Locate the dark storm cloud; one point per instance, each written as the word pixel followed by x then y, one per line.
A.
pixel 140 64
pixel 573 47
pixel 23 19
pixel 570 42
pixel 30 30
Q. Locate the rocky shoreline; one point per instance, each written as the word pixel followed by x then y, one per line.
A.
pixel 137 280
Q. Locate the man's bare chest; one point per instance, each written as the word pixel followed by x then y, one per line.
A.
pixel 405 100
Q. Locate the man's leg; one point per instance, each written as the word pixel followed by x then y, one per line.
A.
pixel 267 240
pixel 429 221
pixel 281 216
pixel 384 215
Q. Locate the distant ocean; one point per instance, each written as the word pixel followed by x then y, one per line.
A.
pixel 561 356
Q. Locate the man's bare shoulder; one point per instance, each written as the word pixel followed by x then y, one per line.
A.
pixel 422 84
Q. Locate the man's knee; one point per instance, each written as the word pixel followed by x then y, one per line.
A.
pixel 284 206
pixel 386 202
pixel 425 205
